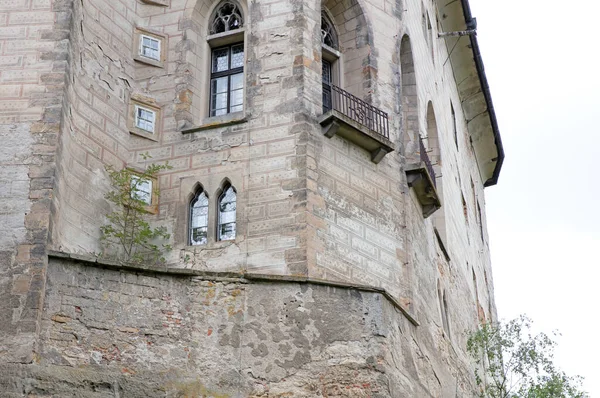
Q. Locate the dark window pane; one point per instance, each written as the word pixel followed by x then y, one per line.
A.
pixel 326 72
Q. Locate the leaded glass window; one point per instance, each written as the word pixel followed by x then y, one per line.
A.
pixel 328 35
pixel 199 219
pixel 227 16
pixel 227 80
pixel 227 215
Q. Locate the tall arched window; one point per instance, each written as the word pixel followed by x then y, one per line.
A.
pixel 226 228
pixel 329 41
pixel 410 101
pixel 199 219
pixel 227 62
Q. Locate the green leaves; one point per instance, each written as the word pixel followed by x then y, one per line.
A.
pixel 128 236
pixel 513 363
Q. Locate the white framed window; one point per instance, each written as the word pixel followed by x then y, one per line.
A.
pixel 141 189
pixel 145 118
pixel 150 47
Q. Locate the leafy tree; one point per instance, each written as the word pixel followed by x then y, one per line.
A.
pixel 128 228
pixel 513 363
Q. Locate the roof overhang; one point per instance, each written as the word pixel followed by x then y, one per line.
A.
pixel 473 89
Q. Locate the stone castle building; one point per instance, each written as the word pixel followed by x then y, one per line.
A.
pixel 325 202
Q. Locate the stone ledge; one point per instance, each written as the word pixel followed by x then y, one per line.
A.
pixel 228 276
pixel 218 121
pixel 419 179
pixel 335 122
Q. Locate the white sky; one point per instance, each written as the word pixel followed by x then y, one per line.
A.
pixel 542 62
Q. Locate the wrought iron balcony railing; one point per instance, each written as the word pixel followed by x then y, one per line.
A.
pixel 425 159
pixel 356 109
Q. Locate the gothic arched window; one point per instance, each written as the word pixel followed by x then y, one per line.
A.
pixel 328 35
pixel 199 219
pixel 328 59
pixel 226 227
pixel 227 60
pixel 227 16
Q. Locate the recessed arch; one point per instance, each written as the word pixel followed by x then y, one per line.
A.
pixel 195 52
pixel 354 43
pixel 432 141
pixel 409 100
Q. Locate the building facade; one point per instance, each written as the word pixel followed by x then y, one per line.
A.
pixel 325 197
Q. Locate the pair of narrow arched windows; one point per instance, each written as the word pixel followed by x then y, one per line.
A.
pixel 226 217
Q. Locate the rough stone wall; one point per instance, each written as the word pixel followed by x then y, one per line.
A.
pixel 34 42
pixel 110 333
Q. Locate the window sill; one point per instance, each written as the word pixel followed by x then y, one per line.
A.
pixel 143 133
pixel 225 38
pixel 149 61
pixel 220 244
pixel 218 121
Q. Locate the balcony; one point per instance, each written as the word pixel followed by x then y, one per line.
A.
pixel 421 177
pixel 357 121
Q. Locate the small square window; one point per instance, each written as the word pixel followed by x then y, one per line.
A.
pixel 141 189
pixel 145 118
pixel 150 47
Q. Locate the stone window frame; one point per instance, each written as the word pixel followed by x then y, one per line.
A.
pixel 136 102
pixel 160 3
pixel 229 73
pixel 213 185
pixel 162 39
pixel 151 208
pixel 199 118
pixel 214 42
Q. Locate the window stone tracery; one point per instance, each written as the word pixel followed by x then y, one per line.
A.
pixel 227 17
pixel 328 35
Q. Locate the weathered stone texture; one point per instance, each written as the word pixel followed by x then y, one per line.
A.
pixel 308 207
pixel 34 40
pixel 112 333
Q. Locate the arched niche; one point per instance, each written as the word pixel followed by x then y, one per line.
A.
pixel 432 141
pixel 409 101
pixel 196 52
pixel 357 66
